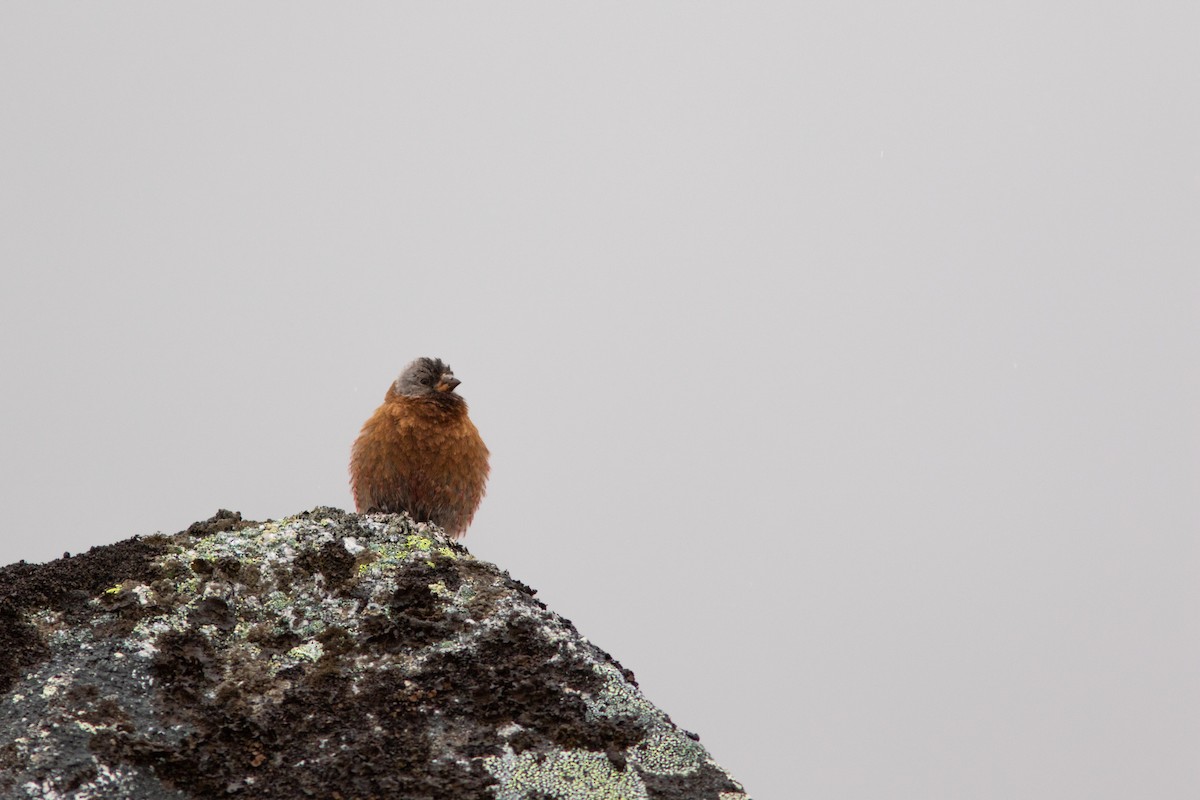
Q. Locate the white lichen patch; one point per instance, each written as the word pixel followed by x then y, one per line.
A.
pixel 566 775
pixel 621 699
pixel 55 685
pixel 49 623
pixel 309 651
pixel 668 751
pixel 665 750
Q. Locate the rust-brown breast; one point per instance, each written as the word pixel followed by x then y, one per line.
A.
pixel 423 457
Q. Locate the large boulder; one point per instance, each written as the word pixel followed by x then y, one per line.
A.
pixel 326 655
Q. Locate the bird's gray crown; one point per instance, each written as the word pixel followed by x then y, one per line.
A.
pixel 422 377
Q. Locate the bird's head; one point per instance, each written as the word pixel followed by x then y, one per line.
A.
pixel 430 378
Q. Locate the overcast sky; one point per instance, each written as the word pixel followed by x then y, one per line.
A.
pixel 838 360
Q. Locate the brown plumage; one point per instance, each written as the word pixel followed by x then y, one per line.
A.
pixel 419 452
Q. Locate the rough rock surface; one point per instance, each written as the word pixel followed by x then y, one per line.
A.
pixel 327 655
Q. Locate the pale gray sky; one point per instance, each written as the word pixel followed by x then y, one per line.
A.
pixel 838 360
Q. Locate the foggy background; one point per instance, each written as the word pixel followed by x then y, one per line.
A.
pixel 838 360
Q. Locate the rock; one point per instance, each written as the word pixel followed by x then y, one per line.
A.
pixel 327 655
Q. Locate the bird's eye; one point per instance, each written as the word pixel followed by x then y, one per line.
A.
pixel 425 381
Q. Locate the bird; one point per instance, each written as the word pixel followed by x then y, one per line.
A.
pixel 420 453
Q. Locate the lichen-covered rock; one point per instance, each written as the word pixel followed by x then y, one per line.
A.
pixel 327 655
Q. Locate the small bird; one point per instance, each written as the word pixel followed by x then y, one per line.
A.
pixel 419 452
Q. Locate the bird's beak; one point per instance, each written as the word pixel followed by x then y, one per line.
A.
pixel 448 384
